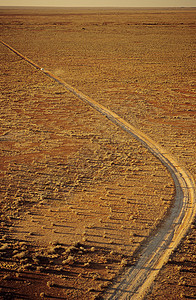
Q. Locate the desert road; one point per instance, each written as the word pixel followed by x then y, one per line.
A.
pixel 136 280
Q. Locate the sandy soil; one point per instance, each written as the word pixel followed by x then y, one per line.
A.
pixel 80 196
pixel 177 278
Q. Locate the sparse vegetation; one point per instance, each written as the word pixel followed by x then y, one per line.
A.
pixel 78 195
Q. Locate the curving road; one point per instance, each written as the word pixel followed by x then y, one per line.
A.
pixel 135 282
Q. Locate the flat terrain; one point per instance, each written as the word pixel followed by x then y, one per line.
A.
pixel 79 196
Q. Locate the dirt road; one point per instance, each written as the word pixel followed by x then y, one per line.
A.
pixel 136 280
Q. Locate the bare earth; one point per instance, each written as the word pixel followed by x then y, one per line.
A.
pixel 79 195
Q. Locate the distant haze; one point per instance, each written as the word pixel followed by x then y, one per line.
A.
pixel 100 3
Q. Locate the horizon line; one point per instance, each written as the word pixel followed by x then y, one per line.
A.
pixel 54 6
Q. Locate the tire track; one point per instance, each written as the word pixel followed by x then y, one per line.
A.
pixel 134 283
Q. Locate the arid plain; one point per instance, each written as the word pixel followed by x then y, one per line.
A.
pixel 79 196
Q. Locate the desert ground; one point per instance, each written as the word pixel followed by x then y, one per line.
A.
pixel 79 196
